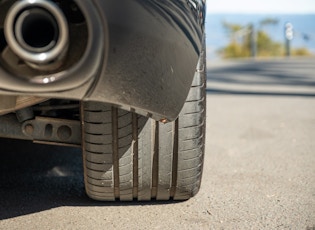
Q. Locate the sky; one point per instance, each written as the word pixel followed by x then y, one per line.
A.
pixel 261 6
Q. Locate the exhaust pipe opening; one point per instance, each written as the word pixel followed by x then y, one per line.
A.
pixel 37 32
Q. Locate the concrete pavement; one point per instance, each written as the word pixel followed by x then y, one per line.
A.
pixel 259 170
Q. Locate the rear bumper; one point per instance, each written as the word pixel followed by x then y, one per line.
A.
pixel 141 55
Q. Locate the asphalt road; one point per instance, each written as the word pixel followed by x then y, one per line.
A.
pixel 259 168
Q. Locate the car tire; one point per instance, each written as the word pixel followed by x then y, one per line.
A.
pixel 130 157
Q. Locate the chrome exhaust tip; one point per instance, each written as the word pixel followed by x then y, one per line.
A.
pixel 37 32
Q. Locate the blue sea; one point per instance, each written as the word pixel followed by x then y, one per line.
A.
pixel 303 28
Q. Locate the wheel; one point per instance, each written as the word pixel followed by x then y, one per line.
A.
pixel 130 157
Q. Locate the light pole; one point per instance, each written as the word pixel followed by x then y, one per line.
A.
pixel 288 32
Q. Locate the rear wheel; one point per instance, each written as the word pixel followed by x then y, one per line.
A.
pixel 127 156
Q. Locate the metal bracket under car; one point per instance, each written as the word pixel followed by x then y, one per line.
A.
pixel 42 130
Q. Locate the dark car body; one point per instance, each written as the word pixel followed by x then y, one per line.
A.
pixel 139 55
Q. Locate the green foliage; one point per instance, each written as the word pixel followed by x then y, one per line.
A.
pixel 236 47
pixel 301 52
pixel 268 21
pixel 232 50
pixel 266 46
pixel 231 28
pixel 242 41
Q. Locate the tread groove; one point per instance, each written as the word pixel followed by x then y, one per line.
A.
pixel 175 158
pixel 135 154
pixel 155 156
pixel 115 151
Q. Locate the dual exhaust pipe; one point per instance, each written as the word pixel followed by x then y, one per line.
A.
pixel 37 32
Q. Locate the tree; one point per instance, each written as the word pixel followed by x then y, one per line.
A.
pixel 239 40
pixel 268 22
pixel 266 46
